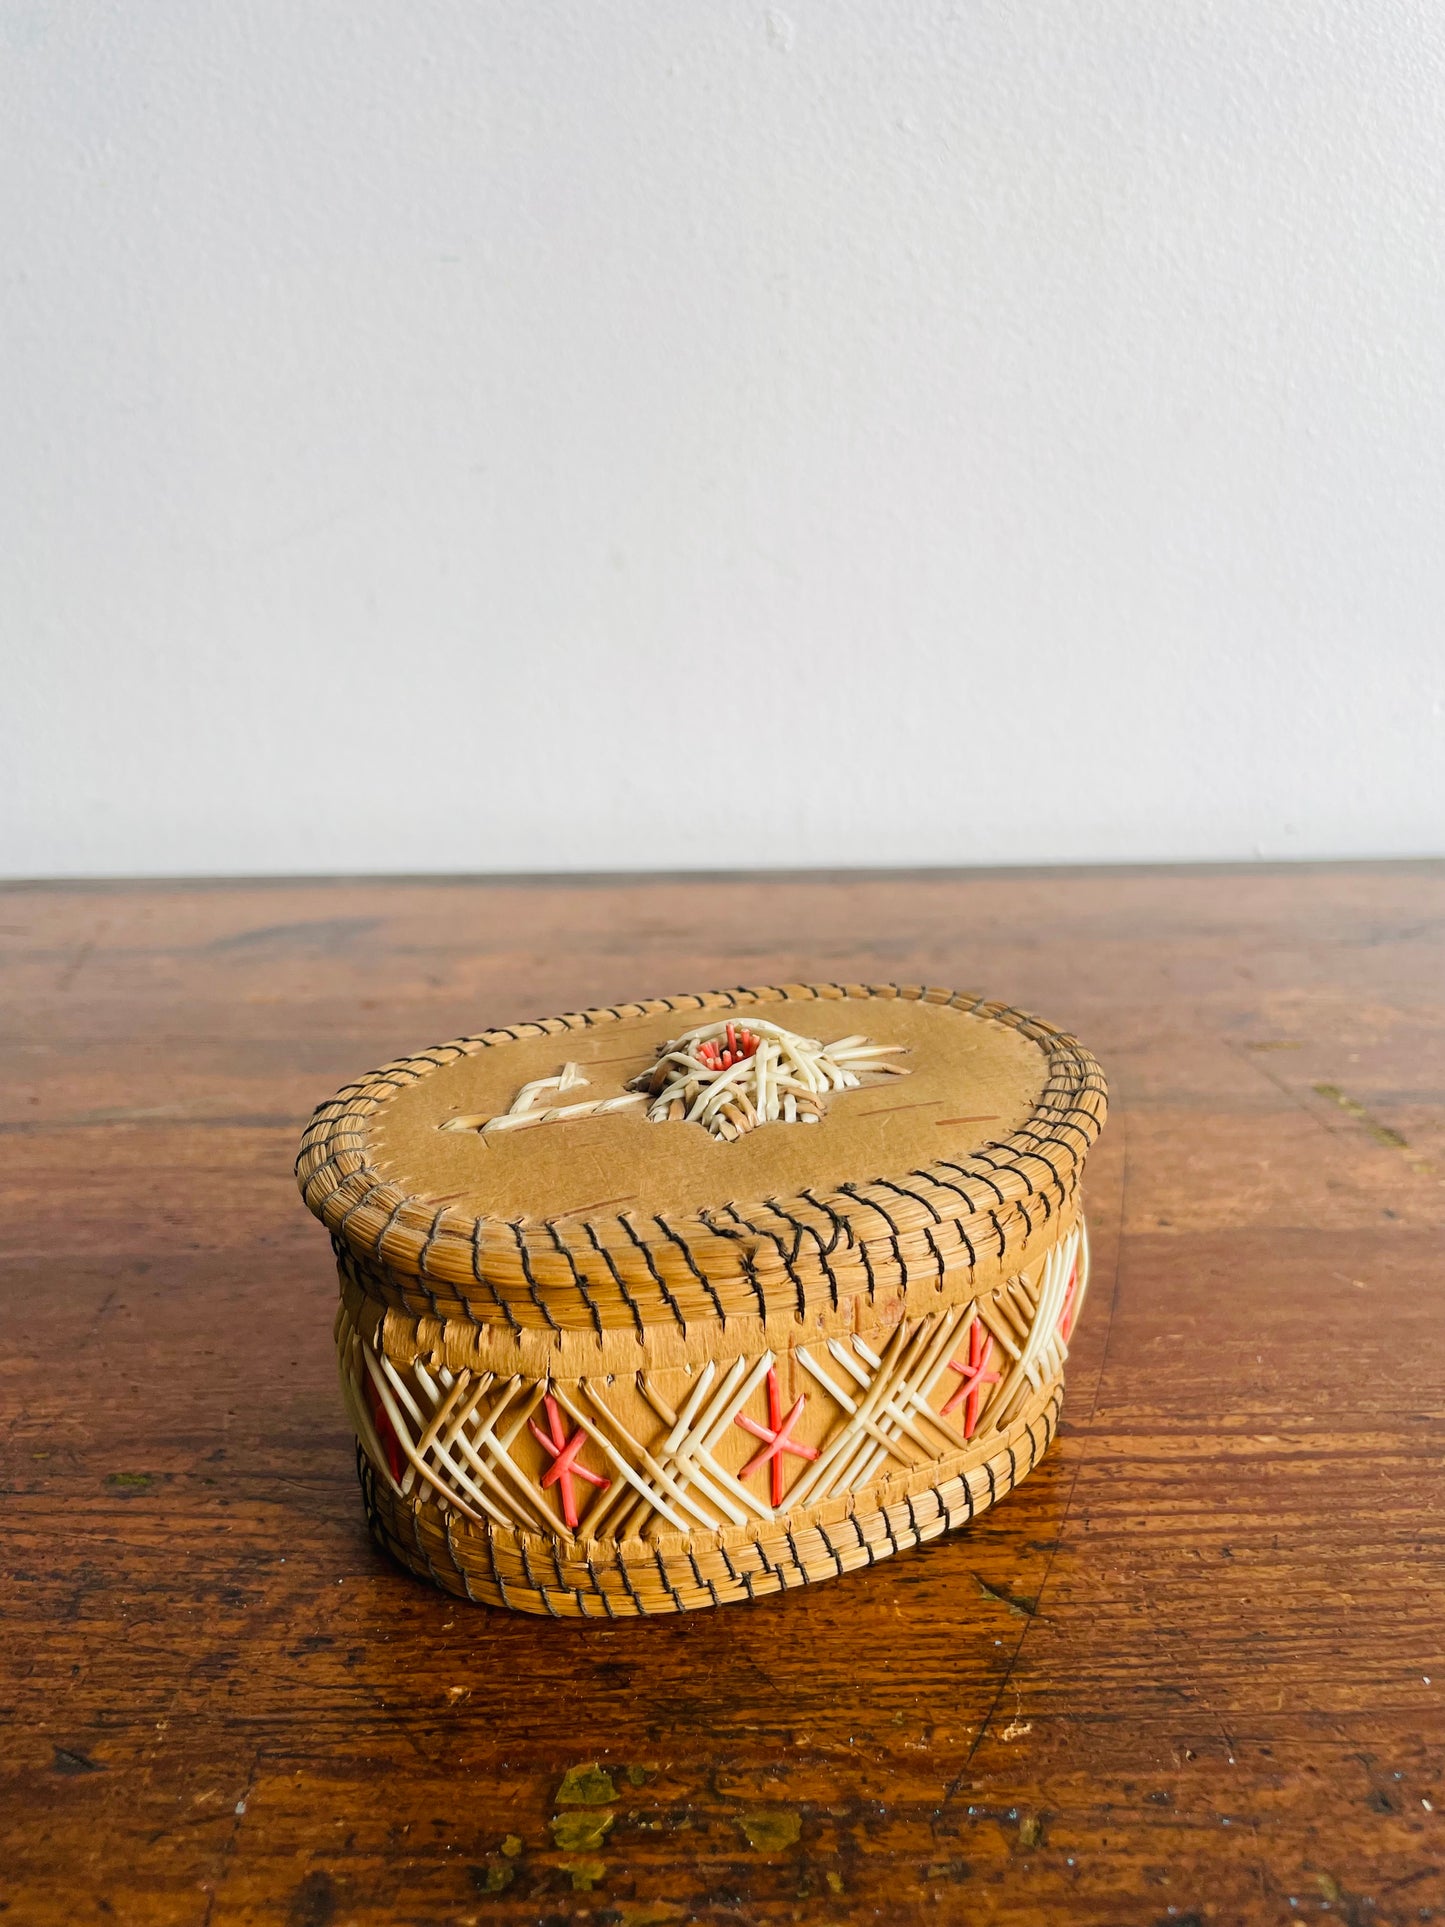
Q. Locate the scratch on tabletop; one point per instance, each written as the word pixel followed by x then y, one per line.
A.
pixel 228 1846
pixel 1382 1133
pixel 77 963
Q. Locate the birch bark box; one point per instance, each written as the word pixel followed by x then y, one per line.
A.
pixel 688 1301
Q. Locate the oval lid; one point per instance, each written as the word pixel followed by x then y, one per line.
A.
pixel 997 1110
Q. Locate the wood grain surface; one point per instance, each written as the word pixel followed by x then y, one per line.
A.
pixel 1193 1670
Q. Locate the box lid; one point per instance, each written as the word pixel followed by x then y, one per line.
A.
pixel 449 1199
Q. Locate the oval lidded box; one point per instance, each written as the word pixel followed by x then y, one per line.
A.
pixel 692 1300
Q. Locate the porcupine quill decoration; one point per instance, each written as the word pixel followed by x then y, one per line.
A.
pixel 730 1077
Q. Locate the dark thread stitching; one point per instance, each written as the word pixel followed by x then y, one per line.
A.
pixel 692 1266
pixel 662 1575
pixel 600 1589
pixel 654 1273
pixel 396 1211
pixel 555 1235
pixel 431 1571
pixel 790 1258
pixel 351 1210
pixel 463 1574
pixel 628 1586
pixel 997 1189
pixel 325 1165
pixel 704 1585
pixel 800 1230
pixel 968 1494
pixel 888 1528
pixel 750 1271
pixel 532 1580
pixel 486 1283
pixel 514 1225
pixel 789 1262
pixel 903 1192
pixel 430 1239
pixel 1050 1168
pixel 842 1230
pixel 868 1268
pixel 370 1085
pixel 1022 1175
pixel 943 1183
pixel 433 1304
pixel 833 1552
pixel 870 1204
pixel 617 1278
pixel 938 1255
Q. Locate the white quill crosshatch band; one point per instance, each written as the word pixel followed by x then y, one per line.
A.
pixel 958 1404
pixel 463 1434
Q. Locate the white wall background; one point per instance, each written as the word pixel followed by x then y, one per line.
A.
pixel 562 433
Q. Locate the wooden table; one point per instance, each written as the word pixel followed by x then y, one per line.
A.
pixel 1193 1670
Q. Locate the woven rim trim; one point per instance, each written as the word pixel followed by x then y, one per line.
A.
pixel 768 1257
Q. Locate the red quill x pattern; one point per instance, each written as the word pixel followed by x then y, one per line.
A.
pixel 777 1434
pixel 1071 1305
pixel 385 1430
pixel 974 1374
pixel 564 1467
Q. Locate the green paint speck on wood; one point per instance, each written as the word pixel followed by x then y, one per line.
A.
pixel 770 1832
pixel 585 1874
pixel 581 1832
pixel 586 1786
